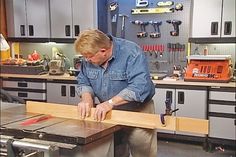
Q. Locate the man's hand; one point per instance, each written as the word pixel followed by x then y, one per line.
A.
pixel 101 111
pixel 84 109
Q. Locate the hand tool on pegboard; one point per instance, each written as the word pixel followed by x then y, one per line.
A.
pixel 141 3
pixel 175 24
pixel 159 10
pixel 142 33
pixel 168 111
pixel 170 52
pixel 179 7
pixel 165 4
pixel 123 17
pixel 156 26
pixel 114 11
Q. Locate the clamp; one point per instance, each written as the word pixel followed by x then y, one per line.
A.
pixel 168 112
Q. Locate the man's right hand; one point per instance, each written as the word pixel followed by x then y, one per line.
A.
pixel 84 109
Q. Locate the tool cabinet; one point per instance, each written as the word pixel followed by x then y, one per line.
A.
pixel 219 23
pixel 222 114
pixel 192 102
pixel 28 18
pixel 28 89
pixel 63 92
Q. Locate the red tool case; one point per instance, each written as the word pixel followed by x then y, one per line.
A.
pixel 209 68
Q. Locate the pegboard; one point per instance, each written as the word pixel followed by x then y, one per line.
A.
pixel 157 64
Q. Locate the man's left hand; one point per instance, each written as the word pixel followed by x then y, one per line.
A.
pixel 101 111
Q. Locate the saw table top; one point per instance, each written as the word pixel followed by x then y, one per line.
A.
pixel 52 129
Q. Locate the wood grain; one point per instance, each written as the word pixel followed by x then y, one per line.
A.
pixel 126 118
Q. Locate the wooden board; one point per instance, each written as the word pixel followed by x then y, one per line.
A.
pixel 135 119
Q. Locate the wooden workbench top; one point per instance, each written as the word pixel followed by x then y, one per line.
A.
pixel 161 82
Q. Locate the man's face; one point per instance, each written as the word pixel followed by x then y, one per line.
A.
pixel 97 59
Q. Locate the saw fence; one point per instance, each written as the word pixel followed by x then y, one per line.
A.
pixel 126 118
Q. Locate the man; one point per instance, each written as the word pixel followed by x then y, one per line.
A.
pixel 116 72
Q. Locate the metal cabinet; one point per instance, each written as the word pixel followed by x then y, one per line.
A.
pixel 222 113
pixel 213 19
pixel 28 18
pixel 27 89
pixel 190 102
pixel 62 93
pixel 69 17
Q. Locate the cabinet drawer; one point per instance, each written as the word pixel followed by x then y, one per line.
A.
pixel 222 128
pixel 222 108
pixel 24 84
pixel 225 96
pixel 29 95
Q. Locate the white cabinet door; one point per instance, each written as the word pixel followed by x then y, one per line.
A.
pixel 28 18
pixel 38 18
pixel 192 104
pixel 57 93
pixel 62 93
pixel 61 18
pixel 73 95
pixel 206 18
pixel 159 100
pixel 228 18
pixel 84 15
pixel 16 18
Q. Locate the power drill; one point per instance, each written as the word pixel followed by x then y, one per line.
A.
pixel 156 26
pixel 176 24
pixel 143 25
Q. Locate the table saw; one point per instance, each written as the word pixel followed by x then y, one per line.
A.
pixel 52 137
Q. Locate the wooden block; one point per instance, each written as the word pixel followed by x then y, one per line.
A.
pixel 127 118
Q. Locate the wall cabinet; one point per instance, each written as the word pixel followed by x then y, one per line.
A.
pixel 62 93
pixel 49 19
pixel 190 102
pixel 27 89
pixel 213 19
pixel 69 17
pixel 28 18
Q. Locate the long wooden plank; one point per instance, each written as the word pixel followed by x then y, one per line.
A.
pixel 135 119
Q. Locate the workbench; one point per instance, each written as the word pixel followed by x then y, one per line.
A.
pixel 53 136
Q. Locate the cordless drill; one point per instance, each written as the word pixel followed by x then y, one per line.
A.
pixel 143 25
pixel 156 26
pixel 175 24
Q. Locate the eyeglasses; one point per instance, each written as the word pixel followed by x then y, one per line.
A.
pixel 90 57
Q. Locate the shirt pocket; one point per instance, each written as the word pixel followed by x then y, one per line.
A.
pixel 92 74
pixel 118 75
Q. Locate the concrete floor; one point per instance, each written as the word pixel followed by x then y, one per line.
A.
pixel 174 149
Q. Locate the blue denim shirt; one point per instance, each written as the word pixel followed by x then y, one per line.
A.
pixel 127 75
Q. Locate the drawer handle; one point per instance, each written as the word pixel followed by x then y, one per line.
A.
pixel 22 84
pixel 24 95
pixel 67 30
pixel 63 90
pixel 228 27
pixel 169 96
pixel 180 97
pixel 22 30
pixel 214 28
pixel 77 30
pixel 72 91
pixel 31 30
